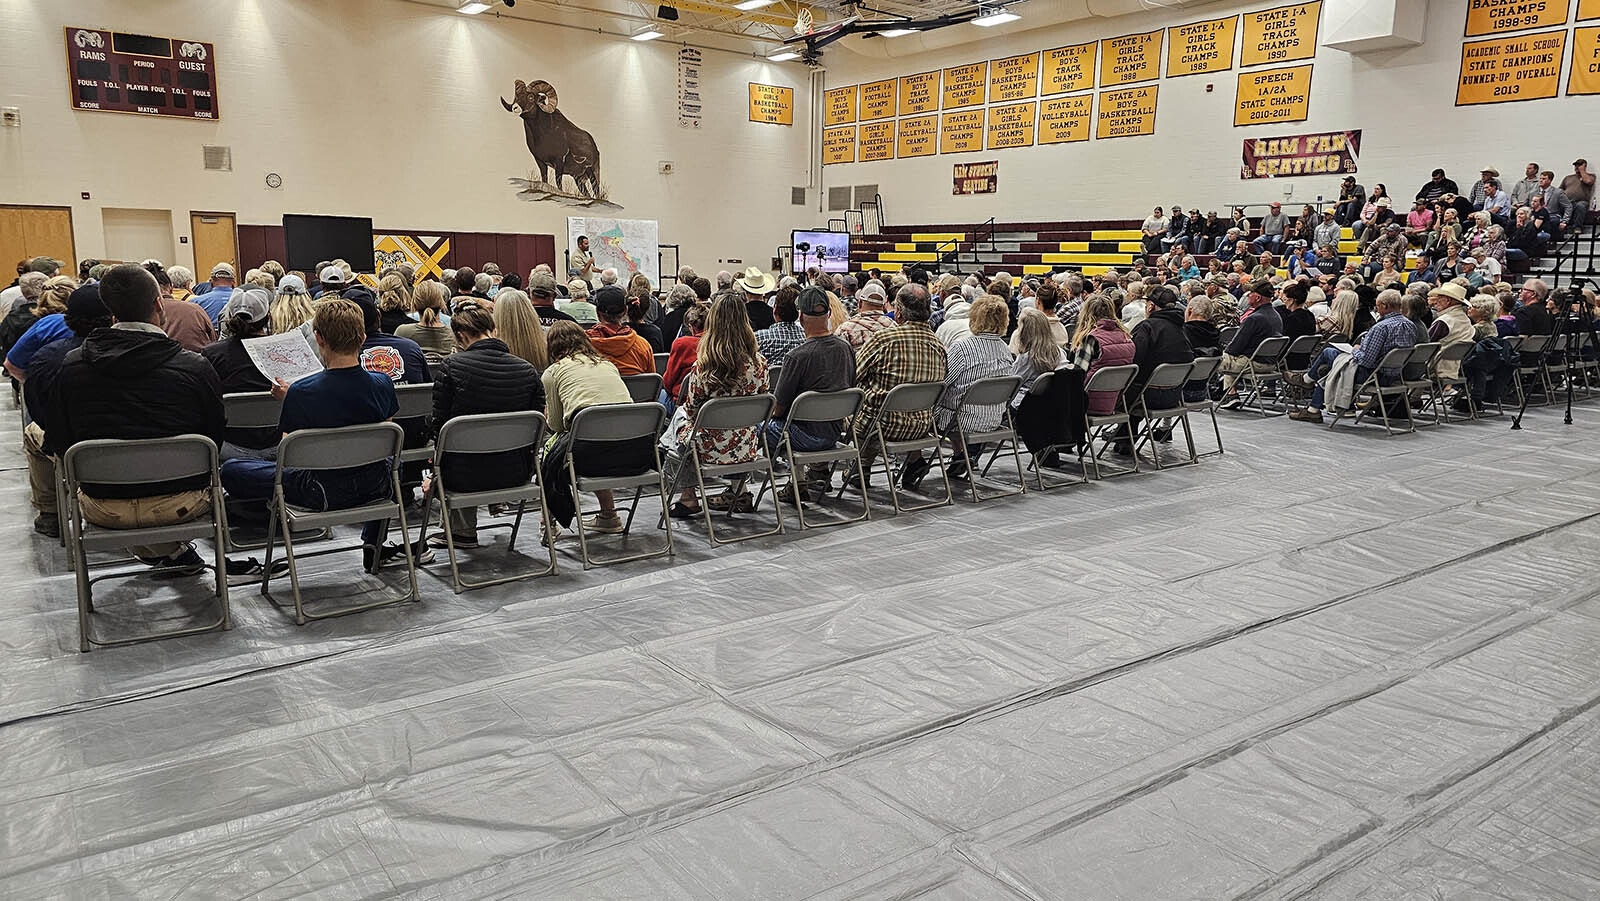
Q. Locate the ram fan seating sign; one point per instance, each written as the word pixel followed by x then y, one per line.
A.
pixel 1318 153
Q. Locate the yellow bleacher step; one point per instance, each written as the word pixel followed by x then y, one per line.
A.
pixel 939 237
pixel 1083 247
pixel 902 257
pixel 1075 259
pixel 1125 234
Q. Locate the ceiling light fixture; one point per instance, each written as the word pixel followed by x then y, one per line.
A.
pixel 996 16
pixel 783 56
pixel 649 34
pixel 473 7
pixel 748 5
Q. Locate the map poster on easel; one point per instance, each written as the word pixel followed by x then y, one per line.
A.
pixel 629 246
pixel 286 356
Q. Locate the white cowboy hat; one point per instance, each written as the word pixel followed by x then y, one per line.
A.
pixel 754 281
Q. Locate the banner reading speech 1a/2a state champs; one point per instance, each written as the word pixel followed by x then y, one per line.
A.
pixel 1314 153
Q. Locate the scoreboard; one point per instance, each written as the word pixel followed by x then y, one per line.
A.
pixel 138 73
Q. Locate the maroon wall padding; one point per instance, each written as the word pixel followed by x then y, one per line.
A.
pixel 514 252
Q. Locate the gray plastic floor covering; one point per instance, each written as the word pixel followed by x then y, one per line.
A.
pixel 1320 666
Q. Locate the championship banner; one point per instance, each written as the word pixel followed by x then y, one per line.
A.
pixel 878 100
pixel 1500 16
pixel 1014 78
pixel 976 178
pixel 1318 153
pixel 1012 126
pixel 1505 70
pixel 1281 35
pixel 1273 95
pixel 965 85
pixel 1585 77
pixel 961 132
pixel 839 106
pixel 838 145
pixel 1201 47
pixel 918 137
pixel 1588 9
pixel 1068 69
pixel 1132 57
pixel 876 140
pixel 1126 114
pixel 771 104
pixel 1065 120
pixel 919 93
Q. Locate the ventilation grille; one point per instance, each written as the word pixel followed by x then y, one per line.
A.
pixel 797 196
pixel 865 194
pixel 217 158
pixel 838 198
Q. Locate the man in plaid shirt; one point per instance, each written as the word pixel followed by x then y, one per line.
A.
pixel 869 320
pixel 907 353
pixel 784 334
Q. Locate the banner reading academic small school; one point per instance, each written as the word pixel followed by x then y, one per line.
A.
pixel 1316 153
pixel 977 178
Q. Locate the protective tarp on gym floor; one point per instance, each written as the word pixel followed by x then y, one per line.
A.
pixel 1323 665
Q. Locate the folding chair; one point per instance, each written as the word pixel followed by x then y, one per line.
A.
pixel 1205 368
pixel 1529 367
pixel 661 363
pixel 113 462
pixel 1553 374
pixel 1165 377
pixel 416 402
pixel 1586 367
pixel 323 450
pixel 717 415
pixel 995 391
pixel 1439 385
pixel 823 406
pixel 1395 359
pixel 1228 334
pixel 251 410
pixel 489 433
pixel 1043 385
pixel 1417 376
pixel 912 397
pixel 1100 426
pixel 1301 352
pixel 1265 369
pixel 644 387
pixel 611 423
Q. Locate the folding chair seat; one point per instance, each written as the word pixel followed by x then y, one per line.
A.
pixel 489 433
pixel 611 424
pixel 994 391
pixel 912 397
pixel 1165 377
pixel 113 462
pixel 1265 370
pixel 1440 386
pixel 1378 393
pixel 722 414
pixel 644 387
pixel 323 450
pixel 1108 427
pixel 1417 376
pixel 1205 369
pixel 823 406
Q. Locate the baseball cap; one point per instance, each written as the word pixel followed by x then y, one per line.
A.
pixel 222 270
pixel 872 291
pixel 1263 288
pixel 542 283
pixel 85 303
pixel 254 302
pixel 814 302
pixel 291 284
pixel 610 300
pixel 331 275
pixel 1580 161
pixel 46 265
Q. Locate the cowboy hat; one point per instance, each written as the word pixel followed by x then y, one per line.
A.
pixel 754 281
pixel 1451 290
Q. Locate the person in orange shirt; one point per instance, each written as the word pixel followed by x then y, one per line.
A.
pixel 613 337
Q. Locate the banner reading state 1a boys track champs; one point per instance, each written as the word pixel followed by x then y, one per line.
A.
pixel 1097 90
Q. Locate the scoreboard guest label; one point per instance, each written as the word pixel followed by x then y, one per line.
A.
pixel 142 74
pixel 1281 35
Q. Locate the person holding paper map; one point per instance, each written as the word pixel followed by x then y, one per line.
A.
pixel 244 317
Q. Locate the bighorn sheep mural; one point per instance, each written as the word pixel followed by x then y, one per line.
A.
pixel 556 144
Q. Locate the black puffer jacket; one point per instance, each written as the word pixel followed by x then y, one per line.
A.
pixel 130 384
pixel 485 378
pixel 1160 339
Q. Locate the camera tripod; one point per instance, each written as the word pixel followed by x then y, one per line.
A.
pixel 1574 318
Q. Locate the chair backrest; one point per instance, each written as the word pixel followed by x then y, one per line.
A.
pixel 1532 344
pixel 1304 344
pixel 618 422
pixel 110 461
pixel 733 412
pixel 661 363
pixel 1515 341
pixel 990 392
pixel 252 410
pixel 1228 334
pixel 1204 368
pixel 826 406
pixel 643 387
pixel 491 433
pixel 1421 356
pixel 1454 353
pixel 1396 358
pixel 1111 378
pixel 415 400
pixel 1270 351
pixel 1168 375
pixel 341 448
pixel 912 397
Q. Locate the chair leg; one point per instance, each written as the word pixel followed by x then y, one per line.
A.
pixel 449 540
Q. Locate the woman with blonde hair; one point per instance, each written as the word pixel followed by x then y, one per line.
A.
pixel 1341 319
pixel 432 330
pixel 1100 340
pixel 727 365
pixel 293 307
pixel 48 324
pixel 518 325
pixel 394 304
